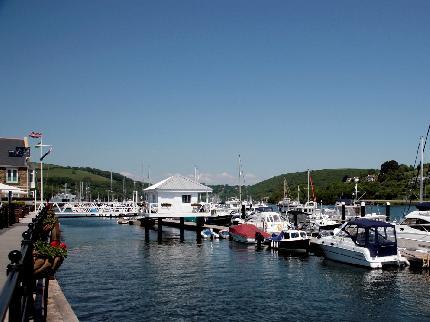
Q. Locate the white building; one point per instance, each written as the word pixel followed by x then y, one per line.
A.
pixel 177 196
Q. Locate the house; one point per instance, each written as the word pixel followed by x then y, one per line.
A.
pixel 370 178
pixel 15 169
pixel 177 196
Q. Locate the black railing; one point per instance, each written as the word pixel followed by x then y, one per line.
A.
pixel 16 297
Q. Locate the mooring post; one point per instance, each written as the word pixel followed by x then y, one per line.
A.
pixel 199 224
pixel 343 212
pixel 363 209
pixel 243 211
pixel 160 229
pixel 181 229
pixel 387 212
pixel 146 224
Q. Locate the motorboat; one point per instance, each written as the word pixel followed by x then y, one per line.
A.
pixel 292 240
pixel 268 221
pixel 363 242
pixel 208 233
pixel 246 233
pixel 125 221
pixel 224 234
pixel 413 233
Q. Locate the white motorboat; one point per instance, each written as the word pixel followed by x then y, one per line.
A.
pixel 413 233
pixel 268 221
pixel 363 242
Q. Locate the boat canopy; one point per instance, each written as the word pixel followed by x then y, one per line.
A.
pixel 369 223
pixel 377 236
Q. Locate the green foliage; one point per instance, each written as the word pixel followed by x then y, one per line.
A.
pixel 43 249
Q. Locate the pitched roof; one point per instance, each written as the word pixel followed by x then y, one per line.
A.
pixel 179 183
pixel 8 144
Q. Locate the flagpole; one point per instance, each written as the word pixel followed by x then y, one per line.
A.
pixel 41 171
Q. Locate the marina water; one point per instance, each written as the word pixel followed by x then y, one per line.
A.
pixel 111 274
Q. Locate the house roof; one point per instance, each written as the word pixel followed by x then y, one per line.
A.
pixel 9 144
pixel 179 183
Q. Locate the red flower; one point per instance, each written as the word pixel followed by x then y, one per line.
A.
pixel 55 243
pixel 63 246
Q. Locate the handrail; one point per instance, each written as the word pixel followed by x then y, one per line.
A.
pixel 17 293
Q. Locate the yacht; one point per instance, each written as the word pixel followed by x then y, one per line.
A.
pixel 363 242
pixel 413 233
pixel 414 230
pixel 268 221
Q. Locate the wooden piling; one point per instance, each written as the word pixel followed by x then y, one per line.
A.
pixel 160 229
pixel 343 212
pixel 181 229
pixel 387 211
pixel 146 223
pixel 363 209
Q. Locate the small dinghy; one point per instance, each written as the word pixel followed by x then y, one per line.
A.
pixel 224 234
pixel 208 233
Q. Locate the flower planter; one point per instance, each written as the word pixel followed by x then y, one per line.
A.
pixel 44 267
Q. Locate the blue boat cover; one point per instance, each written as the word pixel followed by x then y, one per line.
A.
pixel 367 223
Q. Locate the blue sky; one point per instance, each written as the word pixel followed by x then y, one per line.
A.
pixel 290 85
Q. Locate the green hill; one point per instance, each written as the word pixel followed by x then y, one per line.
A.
pixel 96 183
pixel 392 181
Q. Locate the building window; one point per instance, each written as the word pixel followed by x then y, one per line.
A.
pixel 11 176
pixel 186 198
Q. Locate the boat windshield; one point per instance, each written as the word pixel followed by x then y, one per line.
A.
pixel 303 234
pixel 276 218
pixel 417 223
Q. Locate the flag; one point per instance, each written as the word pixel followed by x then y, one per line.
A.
pixel 20 152
pixel 35 135
pixel 43 156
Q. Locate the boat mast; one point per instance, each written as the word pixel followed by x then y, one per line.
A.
pixel 308 183
pixel 240 186
pixel 422 169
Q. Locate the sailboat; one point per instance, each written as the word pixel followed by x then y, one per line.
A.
pixel 413 233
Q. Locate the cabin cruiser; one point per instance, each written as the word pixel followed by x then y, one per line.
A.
pixel 363 242
pixel 291 239
pixel 413 233
pixel 268 221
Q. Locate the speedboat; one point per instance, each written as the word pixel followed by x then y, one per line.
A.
pixel 246 233
pixel 363 242
pixel 413 233
pixel 293 240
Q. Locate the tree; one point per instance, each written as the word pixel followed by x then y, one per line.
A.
pixel 389 166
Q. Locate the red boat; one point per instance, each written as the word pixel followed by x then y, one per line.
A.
pixel 245 233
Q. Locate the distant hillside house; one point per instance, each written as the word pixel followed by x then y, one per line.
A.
pixel 14 163
pixel 370 178
pixel 177 196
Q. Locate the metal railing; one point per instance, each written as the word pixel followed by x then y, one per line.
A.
pixel 16 297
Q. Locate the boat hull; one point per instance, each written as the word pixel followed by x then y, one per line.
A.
pixel 291 245
pixel 359 257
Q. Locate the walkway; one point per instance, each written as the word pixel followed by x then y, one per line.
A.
pixel 10 239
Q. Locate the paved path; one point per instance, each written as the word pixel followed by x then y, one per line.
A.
pixel 10 239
